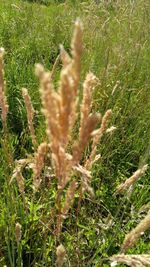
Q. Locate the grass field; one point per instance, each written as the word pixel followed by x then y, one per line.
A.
pixel 116 50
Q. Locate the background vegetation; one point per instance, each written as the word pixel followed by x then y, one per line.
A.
pixel 116 49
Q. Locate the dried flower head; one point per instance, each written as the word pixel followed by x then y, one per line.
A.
pixel 18 232
pixel 131 260
pixel 97 135
pixel 3 100
pixel 111 129
pixel 133 236
pixel 60 253
pixel 69 198
pixel 17 173
pixel 30 114
pixel 88 87
pixel 132 180
pixel 38 165
pixel 65 58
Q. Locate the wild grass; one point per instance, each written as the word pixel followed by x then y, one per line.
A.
pixel 116 51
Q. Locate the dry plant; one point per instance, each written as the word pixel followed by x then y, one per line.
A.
pixel 3 100
pixel 60 253
pixel 133 236
pixel 60 108
pixel 30 114
pixel 18 232
pixel 131 260
pixel 132 180
pixel 130 240
pixel 4 111
pixel 17 173
pixel 38 165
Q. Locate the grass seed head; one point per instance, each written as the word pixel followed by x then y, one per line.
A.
pixel 30 114
pixel 131 260
pixel 18 232
pixel 60 253
pixel 132 237
pixel 3 100
pixel 38 165
pixel 97 135
pixel 132 180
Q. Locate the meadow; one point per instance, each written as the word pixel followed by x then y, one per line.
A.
pixel 116 50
